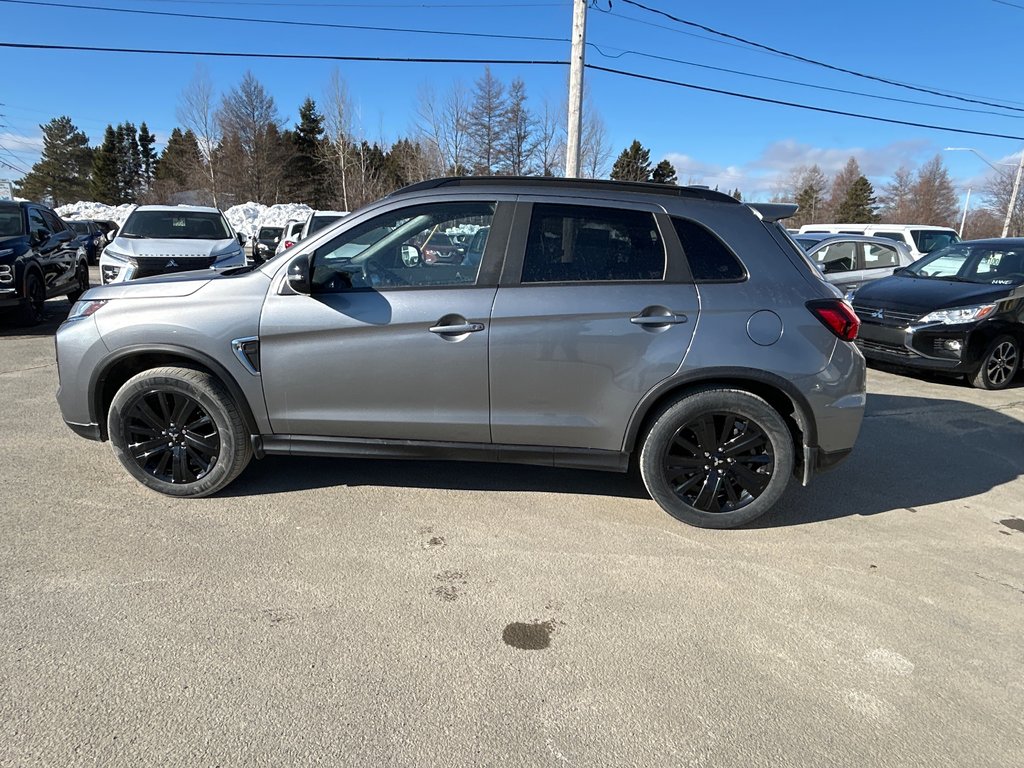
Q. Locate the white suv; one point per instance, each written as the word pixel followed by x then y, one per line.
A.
pixel 157 239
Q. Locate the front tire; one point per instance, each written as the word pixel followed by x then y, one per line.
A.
pixel 717 458
pixel 177 431
pixel 999 365
pixel 81 283
pixel 33 306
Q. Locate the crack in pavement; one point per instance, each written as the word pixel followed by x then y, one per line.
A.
pixel 30 368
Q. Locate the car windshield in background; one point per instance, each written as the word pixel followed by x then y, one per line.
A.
pixel 176 225
pixel 11 223
pixel 928 240
pixel 270 233
pixel 319 222
pixel 79 226
pixel 980 263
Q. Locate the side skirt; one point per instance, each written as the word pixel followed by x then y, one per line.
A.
pixel 353 447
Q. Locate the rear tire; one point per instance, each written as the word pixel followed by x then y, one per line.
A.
pixel 33 307
pixel 717 458
pixel 999 365
pixel 177 431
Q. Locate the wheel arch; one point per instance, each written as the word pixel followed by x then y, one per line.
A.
pixel 778 392
pixel 27 268
pixel 127 362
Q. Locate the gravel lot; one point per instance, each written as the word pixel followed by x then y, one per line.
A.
pixel 388 613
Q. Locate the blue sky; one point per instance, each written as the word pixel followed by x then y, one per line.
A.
pixel 964 46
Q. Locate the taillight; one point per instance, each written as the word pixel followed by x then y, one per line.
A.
pixel 288 244
pixel 837 316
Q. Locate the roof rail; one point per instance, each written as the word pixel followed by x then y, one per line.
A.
pixel 557 182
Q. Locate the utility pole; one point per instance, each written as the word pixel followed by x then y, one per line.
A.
pixel 1013 196
pixel 579 37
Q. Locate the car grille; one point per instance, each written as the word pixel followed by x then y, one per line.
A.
pixel 162 266
pixel 889 316
pixel 896 350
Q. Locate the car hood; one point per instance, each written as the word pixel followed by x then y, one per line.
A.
pixel 12 244
pixel 152 248
pixel 927 294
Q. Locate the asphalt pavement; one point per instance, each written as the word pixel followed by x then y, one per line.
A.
pixel 387 613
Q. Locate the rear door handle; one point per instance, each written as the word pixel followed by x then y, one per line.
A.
pixel 455 329
pixel 658 319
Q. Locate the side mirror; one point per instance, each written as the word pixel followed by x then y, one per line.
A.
pixel 109 237
pixel 40 236
pixel 298 274
pixel 411 255
pixel 242 240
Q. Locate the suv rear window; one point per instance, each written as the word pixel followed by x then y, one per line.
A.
pixel 929 240
pixel 709 259
pixel 575 243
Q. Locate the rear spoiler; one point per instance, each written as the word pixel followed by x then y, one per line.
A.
pixel 773 211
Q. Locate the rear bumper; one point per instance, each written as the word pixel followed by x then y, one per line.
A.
pixel 88 431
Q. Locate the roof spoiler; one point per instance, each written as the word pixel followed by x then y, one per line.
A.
pixel 774 211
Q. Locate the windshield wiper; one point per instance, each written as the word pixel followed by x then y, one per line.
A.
pixel 133 236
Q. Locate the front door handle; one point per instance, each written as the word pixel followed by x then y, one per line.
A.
pixel 658 319
pixel 456 329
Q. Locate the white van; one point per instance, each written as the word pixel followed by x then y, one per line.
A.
pixel 919 238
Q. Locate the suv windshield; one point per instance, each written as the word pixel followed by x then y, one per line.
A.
pixel 11 222
pixel 928 240
pixel 980 263
pixel 319 222
pixel 176 225
pixel 79 226
pixel 270 233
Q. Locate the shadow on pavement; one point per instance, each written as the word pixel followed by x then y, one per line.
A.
pixel 56 312
pixel 911 452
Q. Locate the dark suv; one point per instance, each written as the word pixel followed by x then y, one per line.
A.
pixel 604 323
pixel 40 257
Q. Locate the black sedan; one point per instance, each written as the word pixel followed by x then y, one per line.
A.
pixel 959 310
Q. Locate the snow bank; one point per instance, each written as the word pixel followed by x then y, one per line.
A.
pixel 246 218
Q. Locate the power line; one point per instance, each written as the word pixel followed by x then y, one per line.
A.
pixel 845 91
pixel 294 56
pixel 815 62
pixel 809 107
pixel 287 22
pixel 426 6
pixel 1012 5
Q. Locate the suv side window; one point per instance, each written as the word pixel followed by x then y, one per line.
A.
pixel 879 256
pixel 837 257
pixel 411 247
pixel 36 221
pixel 576 243
pixel 52 222
pixel 710 260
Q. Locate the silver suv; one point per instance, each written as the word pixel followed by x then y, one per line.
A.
pixel 602 324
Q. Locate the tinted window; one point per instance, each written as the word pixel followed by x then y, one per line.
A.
pixel 878 256
pixel 397 250
pixel 321 222
pixel 708 257
pixel 931 240
pixel 10 221
pixel 36 221
pixel 55 224
pixel 897 236
pixel 176 225
pixel 574 243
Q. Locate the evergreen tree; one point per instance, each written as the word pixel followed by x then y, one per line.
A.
pixel 634 164
pixel 664 173
pixel 180 161
pixel 485 124
pixel 307 178
pixel 897 200
pixel 147 153
pixel 129 163
pixel 103 184
pixel 62 173
pixel 858 207
pixel 737 195
pixel 842 183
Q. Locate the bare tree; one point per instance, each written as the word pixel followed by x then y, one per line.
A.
pixel 338 114
pixel 935 200
pixel 595 151
pixel 443 127
pixel 897 199
pixel 997 192
pixel 519 128
pixel 485 123
pixel 248 113
pixel 550 144
pixel 197 112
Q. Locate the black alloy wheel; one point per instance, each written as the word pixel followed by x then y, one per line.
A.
pixel 33 308
pixel 81 283
pixel 719 462
pixel 171 437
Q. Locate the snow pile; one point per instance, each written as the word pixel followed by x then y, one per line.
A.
pixel 84 210
pixel 246 218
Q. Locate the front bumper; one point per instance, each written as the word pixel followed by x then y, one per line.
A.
pixel 940 348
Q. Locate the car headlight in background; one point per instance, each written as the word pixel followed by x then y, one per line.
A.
pixel 83 309
pixel 958 315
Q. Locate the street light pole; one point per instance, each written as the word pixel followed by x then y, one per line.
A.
pixel 1013 196
pixel 963 219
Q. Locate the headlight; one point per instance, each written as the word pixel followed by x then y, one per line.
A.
pixel 110 253
pixel 958 315
pixel 83 309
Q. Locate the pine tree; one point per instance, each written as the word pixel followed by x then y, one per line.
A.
pixel 634 164
pixel 181 160
pixel 858 207
pixel 737 195
pixel 147 153
pixel 842 183
pixel 484 124
pixel 103 184
pixel 664 173
pixel 129 163
pixel 62 173
pixel 307 178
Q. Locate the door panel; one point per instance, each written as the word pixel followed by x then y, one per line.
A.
pixel 366 364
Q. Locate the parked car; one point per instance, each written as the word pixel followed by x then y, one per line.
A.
pixel 92 238
pixel 40 257
pixel 439 248
pixel 850 261
pixel 290 236
pixel 108 227
pixel 158 239
pixel 606 322
pixel 919 239
pixel 265 243
pixel 318 220
pixel 958 311
pixel 475 249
